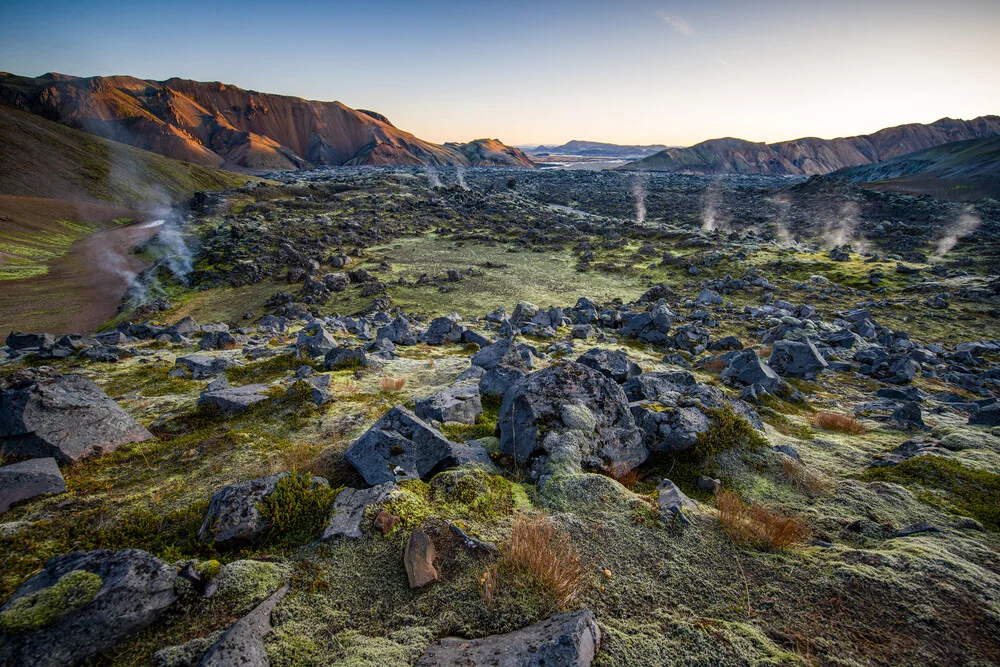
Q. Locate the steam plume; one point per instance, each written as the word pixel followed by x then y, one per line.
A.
pixel 639 194
pixel 966 224
pixel 460 173
pixel 432 177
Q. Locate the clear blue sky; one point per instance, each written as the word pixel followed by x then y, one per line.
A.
pixel 551 70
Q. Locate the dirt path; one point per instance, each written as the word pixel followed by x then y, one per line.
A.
pixel 82 288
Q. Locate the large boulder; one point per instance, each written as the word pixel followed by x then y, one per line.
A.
pixel 571 414
pixel 343 357
pixel 504 352
pixel 243 644
pixel 30 341
pixel 28 479
pixel 651 386
pixel 460 403
pixel 398 446
pixel 66 417
pixel 650 327
pixel 614 364
pixel 444 330
pixel 83 604
pixel 794 359
pixel 567 640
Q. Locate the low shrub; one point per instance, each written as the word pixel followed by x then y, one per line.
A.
pixel 297 510
pixel 758 526
pixel 834 421
pixel 728 430
pixel 539 561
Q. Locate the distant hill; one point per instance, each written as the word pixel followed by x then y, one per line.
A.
pixel 958 170
pixel 491 153
pixel 598 149
pixel 811 155
pixel 46 160
pixel 219 125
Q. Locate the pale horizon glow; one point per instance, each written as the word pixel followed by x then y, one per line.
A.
pixel 529 73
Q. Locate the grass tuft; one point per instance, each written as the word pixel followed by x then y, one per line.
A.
pixel 758 526
pixel 834 421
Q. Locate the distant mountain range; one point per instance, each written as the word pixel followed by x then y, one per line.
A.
pixel 811 155
pixel 957 170
pixel 219 125
pixel 597 149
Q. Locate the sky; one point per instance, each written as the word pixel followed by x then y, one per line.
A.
pixel 547 71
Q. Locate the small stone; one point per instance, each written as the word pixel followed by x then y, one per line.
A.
pixel 419 559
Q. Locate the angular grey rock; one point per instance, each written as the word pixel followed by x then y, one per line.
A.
pixel 651 386
pixel 565 640
pixel 243 644
pixel 987 416
pixel 498 380
pixel 583 331
pixel 614 364
pixel 235 399
pixel 30 341
pixel 198 366
pixel 217 340
pixel 746 368
pixel 669 429
pixel 460 403
pixel 673 501
pixel 349 509
pixel 650 327
pixel 343 357
pixel 398 331
pixel 28 479
pixel 444 330
pixel 550 401
pixel 794 359
pixel 503 352
pixel 908 416
pixel 136 589
pixel 314 341
pixel 66 417
pixel 398 446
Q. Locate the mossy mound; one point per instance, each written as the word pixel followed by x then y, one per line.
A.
pixel 471 492
pixel 41 608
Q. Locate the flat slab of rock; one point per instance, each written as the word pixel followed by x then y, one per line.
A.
pixel 398 446
pixel 460 403
pixel 614 364
pixel 28 479
pixel 105 597
pixel 567 640
pixel 235 399
pixel 243 644
pixel 349 509
pixel 198 366
pixel 66 417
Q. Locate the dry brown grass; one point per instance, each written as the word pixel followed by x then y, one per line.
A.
pixel 540 554
pixel 392 384
pixel 806 479
pixel 758 526
pixel 835 421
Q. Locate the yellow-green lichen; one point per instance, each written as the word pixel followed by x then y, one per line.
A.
pixel 41 608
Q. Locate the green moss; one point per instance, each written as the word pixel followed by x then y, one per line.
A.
pixel 41 608
pixel 411 504
pixel 472 492
pixel 245 583
pixel 209 570
pixel 265 371
pixel 296 510
pixel 727 431
pixel 947 484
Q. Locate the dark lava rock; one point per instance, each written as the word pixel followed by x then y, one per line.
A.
pixel 794 359
pixel 537 412
pixel 66 417
pixel 343 357
pixel 234 399
pixel 28 479
pixel 614 364
pixel 460 403
pixel 566 640
pixel 398 446
pixel 83 604
pixel 243 644
pixel 198 366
